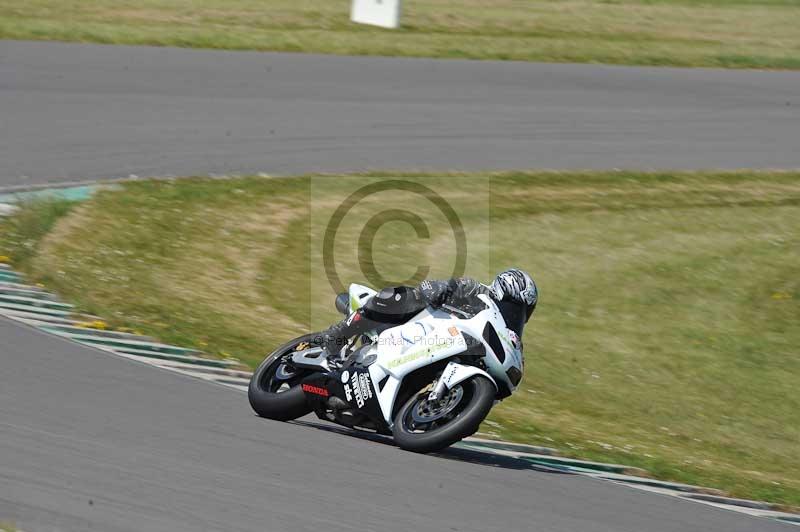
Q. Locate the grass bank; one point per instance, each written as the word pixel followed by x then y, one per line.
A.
pixel 713 33
pixel 22 233
pixel 666 337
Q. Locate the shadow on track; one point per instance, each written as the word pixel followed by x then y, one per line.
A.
pixel 471 456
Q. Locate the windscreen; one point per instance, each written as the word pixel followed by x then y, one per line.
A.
pixel 514 315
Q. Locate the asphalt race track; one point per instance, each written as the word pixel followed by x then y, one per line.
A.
pixel 92 442
pixel 71 112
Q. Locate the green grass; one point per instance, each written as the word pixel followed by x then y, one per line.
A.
pixel 714 33
pixel 666 335
pixel 23 232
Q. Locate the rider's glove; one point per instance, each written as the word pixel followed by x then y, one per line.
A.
pixel 434 292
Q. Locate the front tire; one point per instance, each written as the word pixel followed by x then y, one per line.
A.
pixel 274 391
pixel 423 427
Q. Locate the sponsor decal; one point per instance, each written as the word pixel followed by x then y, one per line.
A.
pixel 514 339
pixel 407 358
pixel 316 390
pixel 504 338
pixel 449 376
pixel 366 385
pixel 345 376
pixel 429 351
pixel 348 392
pixel 357 391
pixel 302 346
pixel 453 331
pixel 361 389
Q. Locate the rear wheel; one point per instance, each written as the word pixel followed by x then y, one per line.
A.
pixel 274 390
pixel 424 426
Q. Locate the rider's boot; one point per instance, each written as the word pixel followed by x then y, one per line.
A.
pixel 337 336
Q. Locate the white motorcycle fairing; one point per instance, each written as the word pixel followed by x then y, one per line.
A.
pixel 433 336
pixel 436 350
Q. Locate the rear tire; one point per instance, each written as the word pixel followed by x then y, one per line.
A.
pixel 267 401
pixel 475 400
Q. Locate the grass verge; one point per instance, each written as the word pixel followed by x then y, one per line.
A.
pixel 667 332
pixel 713 33
pixel 22 233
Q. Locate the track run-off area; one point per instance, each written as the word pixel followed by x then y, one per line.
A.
pixel 74 112
pixel 91 441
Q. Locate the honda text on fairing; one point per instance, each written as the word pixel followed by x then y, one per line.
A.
pixel 429 382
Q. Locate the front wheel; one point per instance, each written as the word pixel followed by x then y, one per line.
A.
pixel 424 426
pixel 275 390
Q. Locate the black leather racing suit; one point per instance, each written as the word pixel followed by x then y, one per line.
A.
pixel 396 305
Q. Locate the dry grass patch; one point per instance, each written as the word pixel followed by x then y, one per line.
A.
pixel 760 34
pixel 666 336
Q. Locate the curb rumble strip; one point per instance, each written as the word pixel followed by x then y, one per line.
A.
pixel 36 307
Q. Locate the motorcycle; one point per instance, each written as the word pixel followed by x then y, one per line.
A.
pixel 428 382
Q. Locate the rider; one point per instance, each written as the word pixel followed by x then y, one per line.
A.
pixel 514 292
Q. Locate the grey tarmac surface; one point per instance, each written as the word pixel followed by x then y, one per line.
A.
pixel 93 442
pixel 74 112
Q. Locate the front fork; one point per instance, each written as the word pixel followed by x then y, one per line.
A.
pixel 453 374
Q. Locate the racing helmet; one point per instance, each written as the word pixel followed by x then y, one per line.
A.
pixel 516 294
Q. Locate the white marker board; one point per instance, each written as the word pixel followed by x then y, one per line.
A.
pixel 383 13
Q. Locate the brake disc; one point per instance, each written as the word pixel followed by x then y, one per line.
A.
pixel 426 411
